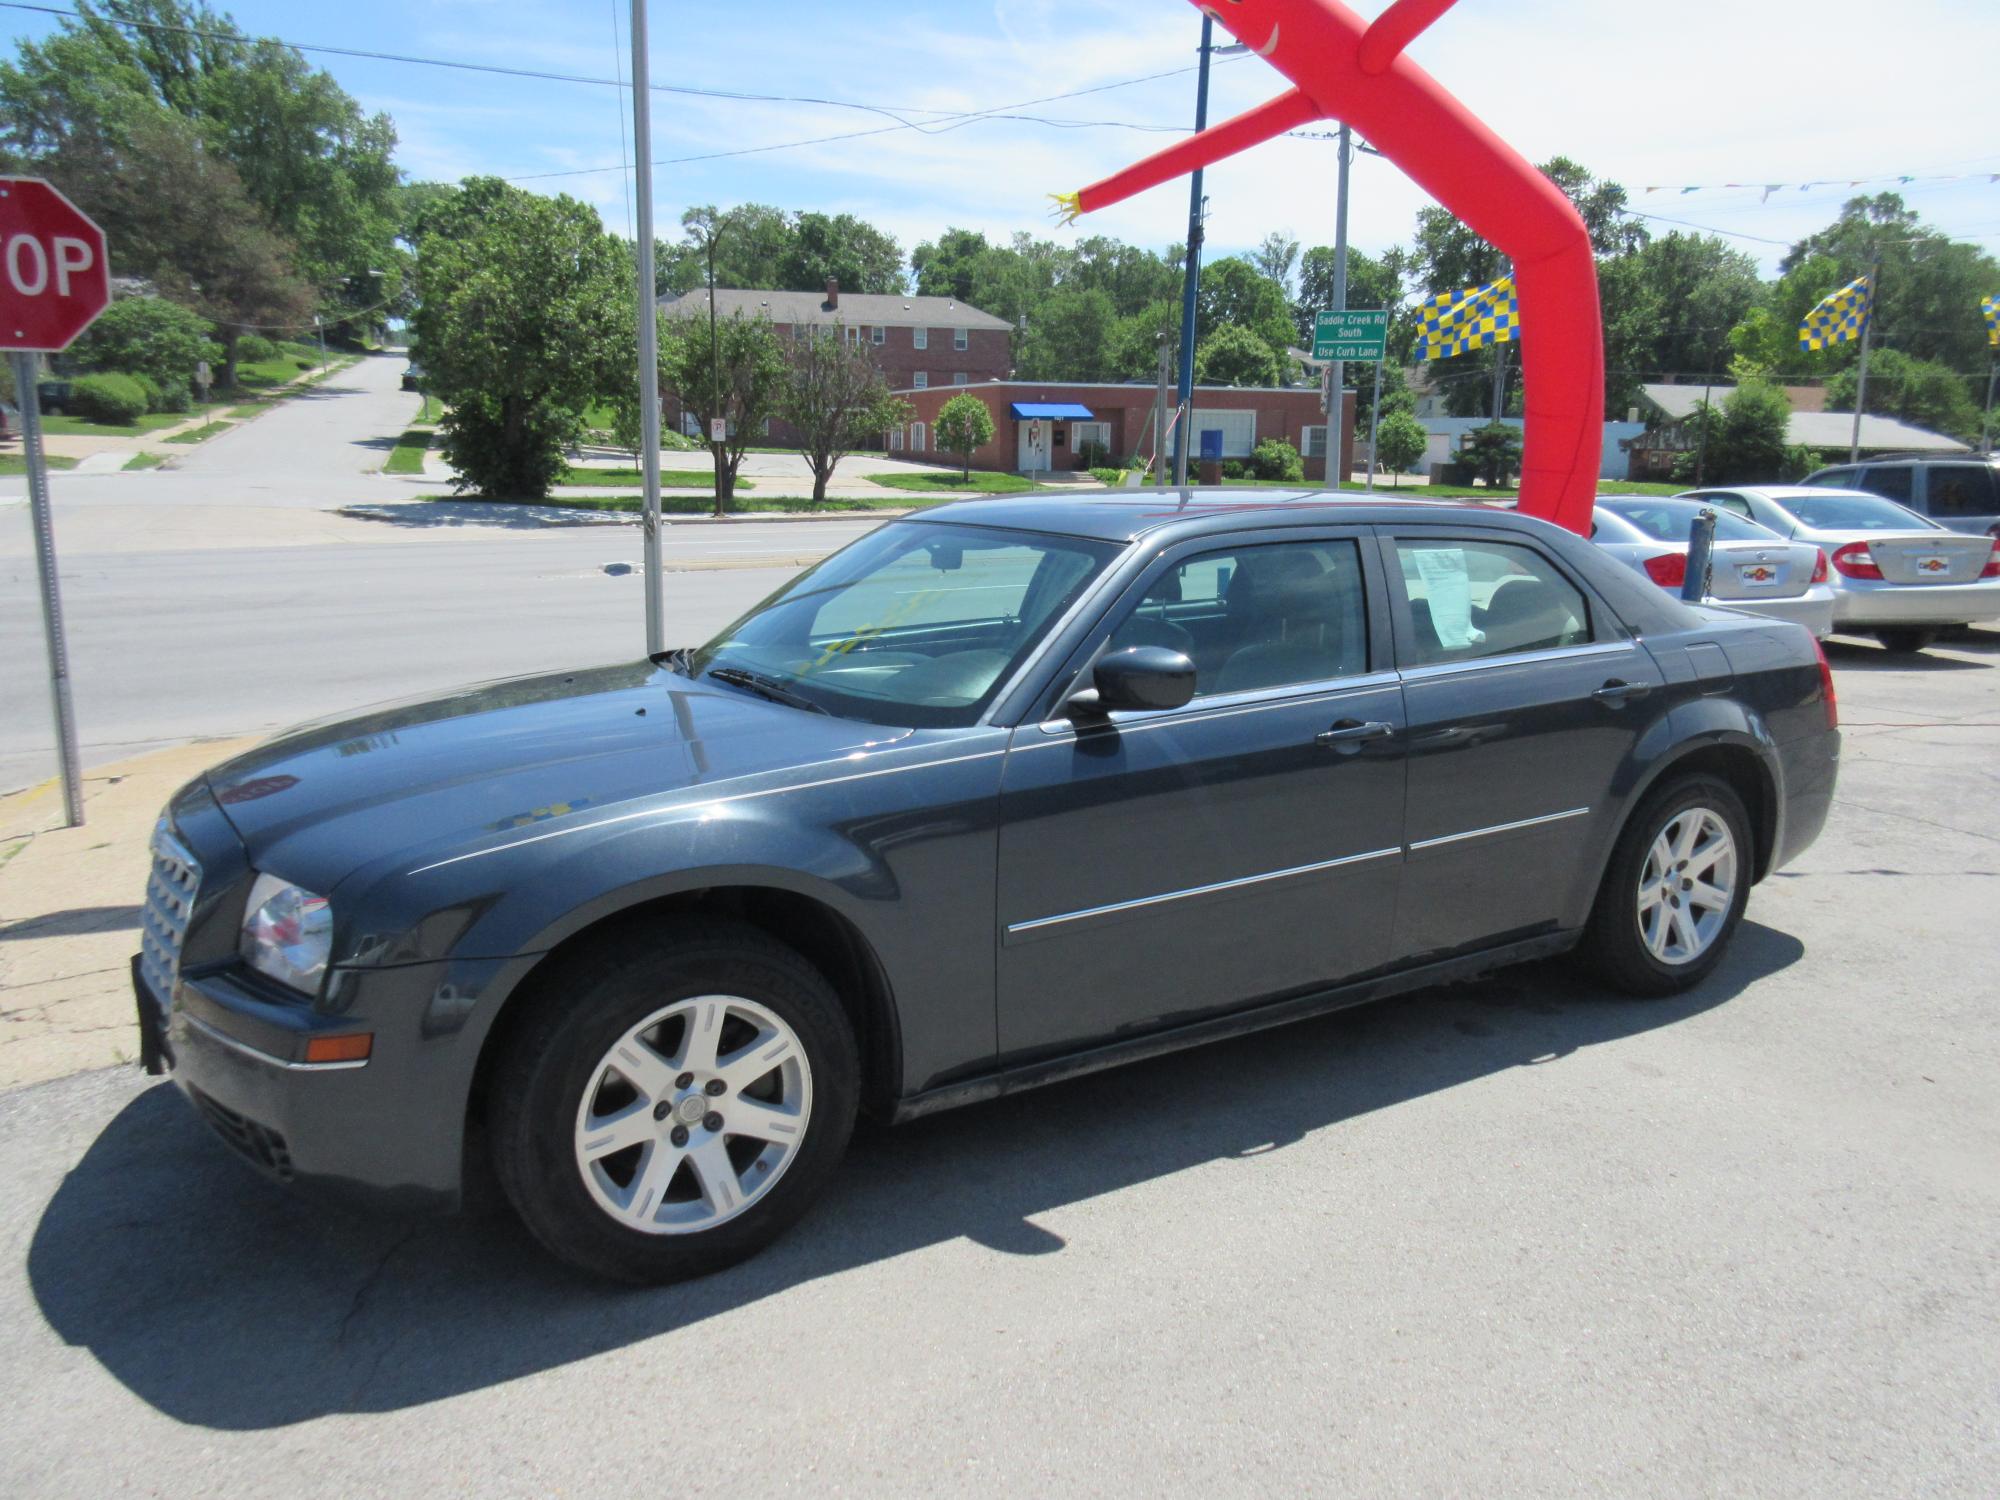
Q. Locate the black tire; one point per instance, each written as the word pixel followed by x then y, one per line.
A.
pixel 1904 639
pixel 1613 944
pixel 580 1011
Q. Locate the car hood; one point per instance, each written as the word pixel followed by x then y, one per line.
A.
pixel 317 800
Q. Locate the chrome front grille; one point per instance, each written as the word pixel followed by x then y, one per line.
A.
pixel 170 892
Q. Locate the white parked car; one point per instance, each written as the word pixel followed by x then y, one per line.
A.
pixel 1751 567
pixel 1896 575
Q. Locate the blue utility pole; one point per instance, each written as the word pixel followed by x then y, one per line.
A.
pixel 1192 283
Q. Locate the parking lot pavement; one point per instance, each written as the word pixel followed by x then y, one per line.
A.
pixel 1516 1237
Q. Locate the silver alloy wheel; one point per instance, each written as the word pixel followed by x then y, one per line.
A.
pixel 1687 885
pixel 693 1115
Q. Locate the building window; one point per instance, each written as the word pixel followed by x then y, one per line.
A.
pixel 1238 429
pixel 959 338
pixel 916 437
pixel 1312 441
pixel 895 440
pixel 920 338
pixel 877 334
pixel 921 380
pixel 959 377
pixel 1083 434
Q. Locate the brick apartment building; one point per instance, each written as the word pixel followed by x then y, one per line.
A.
pixel 917 342
pixel 1037 426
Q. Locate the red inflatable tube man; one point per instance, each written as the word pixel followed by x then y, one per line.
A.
pixel 1345 68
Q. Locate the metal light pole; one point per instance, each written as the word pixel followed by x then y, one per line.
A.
pixel 1861 375
pixel 1336 381
pixel 1191 277
pixel 1375 418
pixel 30 401
pixel 649 328
pixel 1986 427
pixel 1160 413
pixel 716 446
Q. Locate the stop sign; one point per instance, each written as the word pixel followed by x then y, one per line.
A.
pixel 54 273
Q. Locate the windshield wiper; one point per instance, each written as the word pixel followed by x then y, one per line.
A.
pixel 768 687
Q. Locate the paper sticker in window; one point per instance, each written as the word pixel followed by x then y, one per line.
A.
pixel 1448 587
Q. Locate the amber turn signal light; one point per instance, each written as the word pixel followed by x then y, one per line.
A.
pixel 354 1047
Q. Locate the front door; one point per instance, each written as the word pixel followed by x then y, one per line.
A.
pixel 1034 454
pixel 1167 865
pixel 1526 701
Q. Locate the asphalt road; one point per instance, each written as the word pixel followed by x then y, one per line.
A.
pixel 1516 1238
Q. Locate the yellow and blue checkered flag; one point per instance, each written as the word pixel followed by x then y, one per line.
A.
pixel 1991 307
pixel 1840 315
pixel 1458 322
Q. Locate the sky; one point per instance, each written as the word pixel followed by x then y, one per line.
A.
pixel 1696 93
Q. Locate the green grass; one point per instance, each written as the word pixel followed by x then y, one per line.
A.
pixel 407 457
pixel 277 370
pixel 14 463
pixel 200 434
pixel 79 427
pixel 673 479
pixel 981 483
pixel 429 412
pixel 143 461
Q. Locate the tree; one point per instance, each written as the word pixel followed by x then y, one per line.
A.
pixel 964 424
pixel 148 336
pixel 1234 292
pixel 858 255
pixel 1372 281
pixel 944 268
pixel 522 318
pixel 1400 441
pixel 1069 338
pixel 1669 308
pixel 1744 442
pixel 1236 356
pixel 730 369
pixel 836 399
pixel 1914 390
pixel 1493 451
pixel 1276 256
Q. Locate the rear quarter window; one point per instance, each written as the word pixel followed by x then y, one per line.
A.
pixel 1959 490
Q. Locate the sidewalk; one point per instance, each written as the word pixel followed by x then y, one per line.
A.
pixel 69 912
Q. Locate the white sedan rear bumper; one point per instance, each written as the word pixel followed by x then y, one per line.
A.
pixel 1864 602
pixel 1813 609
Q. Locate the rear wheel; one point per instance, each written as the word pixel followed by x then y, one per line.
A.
pixel 1905 639
pixel 1675 890
pixel 677 1099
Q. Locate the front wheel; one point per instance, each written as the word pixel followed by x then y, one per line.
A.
pixel 677 1098
pixel 1675 890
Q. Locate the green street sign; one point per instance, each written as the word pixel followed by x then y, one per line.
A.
pixel 1351 335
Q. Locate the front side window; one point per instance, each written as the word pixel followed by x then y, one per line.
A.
pixel 1890 481
pixel 1258 617
pixel 920 338
pixel 1959 490
pixel 916 624
pixel 1474 599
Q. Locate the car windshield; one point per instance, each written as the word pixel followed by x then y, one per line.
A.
pixel 1671 520
pixel 917 624
pixel 1854 513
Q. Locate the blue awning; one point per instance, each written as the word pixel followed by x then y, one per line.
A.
pixel 1062 411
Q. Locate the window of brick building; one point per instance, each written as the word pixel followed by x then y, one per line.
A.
pixel 921 380
pixel 920 338
pixel 959 377
pixel 958 338
pixel 877 334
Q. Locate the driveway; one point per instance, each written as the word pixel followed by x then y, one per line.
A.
pixel 1515 1237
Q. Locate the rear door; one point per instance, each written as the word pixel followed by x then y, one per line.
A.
pixel 1961 496
pixel 1526 699
pixel 1160 866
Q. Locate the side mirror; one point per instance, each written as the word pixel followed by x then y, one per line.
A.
pixel 1137 677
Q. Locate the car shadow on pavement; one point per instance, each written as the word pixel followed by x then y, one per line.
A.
pixel 443 515
pixel 1847 656
pixel 72 922
pixel 224 1301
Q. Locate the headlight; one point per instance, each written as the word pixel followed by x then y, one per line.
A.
pixel 287 933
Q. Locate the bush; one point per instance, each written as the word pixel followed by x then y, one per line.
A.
pixel 1274 458
pixel 1235 468
pixel 1094 455
pixel 305 364
pixel 148 336
pixel 152 389
pixel 117 399
pixel 1493 452
pixel 174 396
pixel 254 348
pixel 508 460
pixel 1105 474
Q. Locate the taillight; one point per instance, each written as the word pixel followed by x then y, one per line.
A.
pixel 1669 570
pixel 1992 568
pixel 1826 687
pixel 1819 565
pixel 1856 561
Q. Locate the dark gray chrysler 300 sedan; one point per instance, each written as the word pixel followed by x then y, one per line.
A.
pixel 997 795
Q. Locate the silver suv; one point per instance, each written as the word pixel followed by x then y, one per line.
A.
pixel 1959 491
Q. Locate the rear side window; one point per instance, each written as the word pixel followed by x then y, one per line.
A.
pixel 1836 479
pixel 1890 481
pixel 1474 599
pixel 1959 490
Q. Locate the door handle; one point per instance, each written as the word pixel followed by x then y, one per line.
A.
pixel 1349 735
pixel 1617 693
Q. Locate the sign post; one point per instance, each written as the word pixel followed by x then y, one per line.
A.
pixel 1340 336
pixel 54 279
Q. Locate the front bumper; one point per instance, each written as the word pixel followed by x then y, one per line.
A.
pixel 1866 603
pixel 388 1133
pixel 1813 609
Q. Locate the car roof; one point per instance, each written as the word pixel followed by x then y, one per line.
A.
pixel 1127 517
pixel 1784 492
